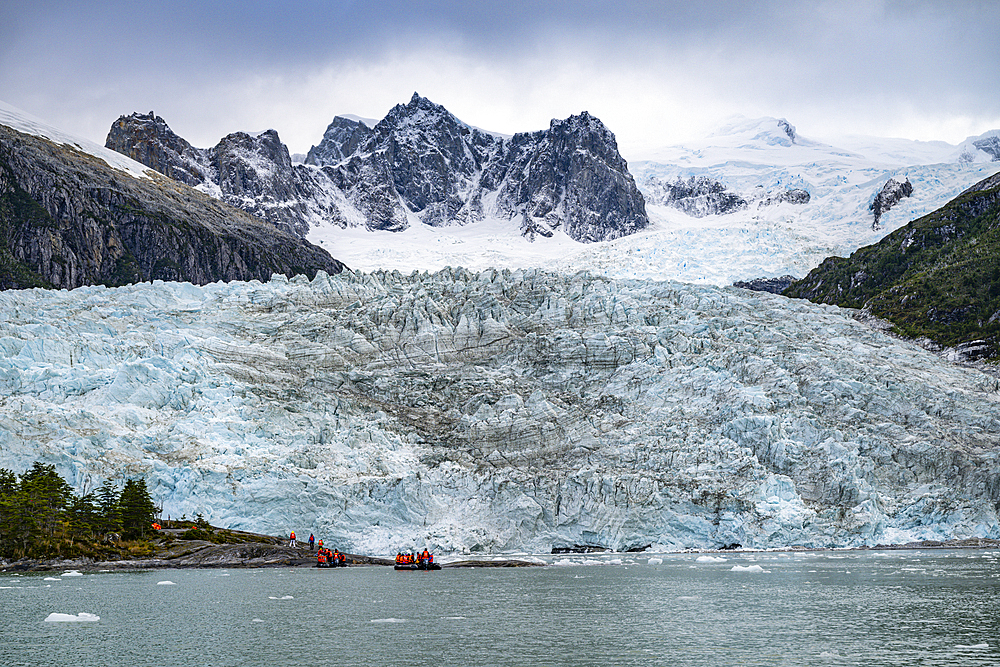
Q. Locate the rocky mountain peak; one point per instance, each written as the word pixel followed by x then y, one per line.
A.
pixel 787 128
pixel 341 139
pixel 146 138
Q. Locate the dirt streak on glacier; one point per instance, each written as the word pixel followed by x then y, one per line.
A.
pixel 501 411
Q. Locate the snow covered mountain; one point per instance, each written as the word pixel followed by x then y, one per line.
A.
pixel 501 411
pixel 418 165
pixel 757 199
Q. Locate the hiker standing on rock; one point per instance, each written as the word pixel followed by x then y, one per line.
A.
pixel 312 541
pixel 291 540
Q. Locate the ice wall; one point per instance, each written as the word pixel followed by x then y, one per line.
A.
pixel 501 411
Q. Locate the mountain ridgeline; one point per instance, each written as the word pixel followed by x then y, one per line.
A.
pixel 938 277
pixel 68 219
pixel 419 164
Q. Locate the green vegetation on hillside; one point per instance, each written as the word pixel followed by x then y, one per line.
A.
pixel 41 517
pixel 938 277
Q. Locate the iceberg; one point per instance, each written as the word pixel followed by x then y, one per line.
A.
pixel 83 616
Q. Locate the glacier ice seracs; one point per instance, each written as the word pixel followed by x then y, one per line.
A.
pixel 501 411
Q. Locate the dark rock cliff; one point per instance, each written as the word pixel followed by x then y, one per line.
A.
pixel 67 219
pixel 571 176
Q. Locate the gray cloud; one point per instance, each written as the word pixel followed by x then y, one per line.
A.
pixel 652 71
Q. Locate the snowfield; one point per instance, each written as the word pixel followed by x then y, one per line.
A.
pixel 501 411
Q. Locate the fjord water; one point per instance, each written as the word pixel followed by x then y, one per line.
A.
pixel 827 608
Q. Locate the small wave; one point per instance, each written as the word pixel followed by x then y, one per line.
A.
pixel 257 620
pixel 388 620
pixel 451 618
pixel 973 646
pixel 56 617
pixel 283 597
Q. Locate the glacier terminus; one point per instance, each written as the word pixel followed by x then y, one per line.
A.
pixel 502 411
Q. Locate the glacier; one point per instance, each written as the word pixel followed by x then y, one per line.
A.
pixel 501 411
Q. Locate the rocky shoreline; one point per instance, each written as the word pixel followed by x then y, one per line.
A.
pixel 273 553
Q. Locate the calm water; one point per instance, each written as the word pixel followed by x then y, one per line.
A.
pixel 893 608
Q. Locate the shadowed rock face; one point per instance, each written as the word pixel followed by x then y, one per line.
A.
pixel 70 220
pixel 418 163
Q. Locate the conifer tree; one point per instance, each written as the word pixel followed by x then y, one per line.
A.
pixel 137 509
pixel 111 517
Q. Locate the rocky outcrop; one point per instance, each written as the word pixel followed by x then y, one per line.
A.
pixel 989 145
pixel 772 285
pixel 67 219
pixel 419 163
pixel 790 196
pixel 890 195
pixel 788 129
pixel 699 196
pixel 422 161
pixel 146 139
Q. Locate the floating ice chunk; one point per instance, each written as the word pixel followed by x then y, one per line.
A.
pixel 453 618
pixel 283 597
pixel 710 559
pixel 165 582
pixel 51 579
pixel 71 573
pixel 749 568
pixel 975 646
pixel 655 561
pixel 257 620
pixel 388 620
pixel 565 562
pixel 56 617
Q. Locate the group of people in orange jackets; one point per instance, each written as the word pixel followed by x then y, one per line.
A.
pixel 424 558
pixel 333 558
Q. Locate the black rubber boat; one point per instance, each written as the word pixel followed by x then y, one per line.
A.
pixel 417 566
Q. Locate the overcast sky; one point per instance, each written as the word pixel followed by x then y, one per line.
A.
pixel 655 72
